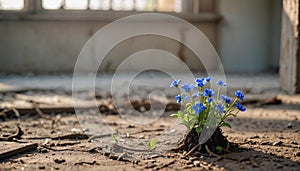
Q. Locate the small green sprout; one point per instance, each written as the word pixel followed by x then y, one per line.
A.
pixel 151 144
pixel 219 148
pixel 116 138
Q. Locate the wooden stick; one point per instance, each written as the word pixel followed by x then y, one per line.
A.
pixel 18 150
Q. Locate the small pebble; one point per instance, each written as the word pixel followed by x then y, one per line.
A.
pixel 254 137
pixel 167 142
pixel 197 163
pixel 294 142
pixel 154 156
pixel 59 160
pixel 42 167
pixel 278 143
pixel 43 150
pixel 298 154
pixel 150 166
pixel 290 125
pixel 127 135
pixel 189 162
pixel 194 158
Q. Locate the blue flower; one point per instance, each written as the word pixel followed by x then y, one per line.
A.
pixel 178 98
pixel 240 95
pixel 187 98
pixel 208 92
pixel 199 107
pixel 221 83
pixel 208 79
pixel 196 95
pixel 175 83
pixel 220 108
pixel 210 100
pixel 187 87
pixel 225 98
pixel 200 81
pixel 240 107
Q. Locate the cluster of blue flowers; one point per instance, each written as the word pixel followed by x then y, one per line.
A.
pixel 193 91
pixel 200 101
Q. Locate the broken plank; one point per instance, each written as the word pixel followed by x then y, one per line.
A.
pixel 17 150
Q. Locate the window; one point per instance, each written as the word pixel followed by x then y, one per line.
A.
pixel 105 10
pixel 11 4
pixel 116 5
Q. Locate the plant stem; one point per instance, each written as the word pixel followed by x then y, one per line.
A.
pixel 228 109
pixel 219 89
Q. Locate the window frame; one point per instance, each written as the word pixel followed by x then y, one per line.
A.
pixel 33 11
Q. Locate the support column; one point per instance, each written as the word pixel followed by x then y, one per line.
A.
pixel 290 49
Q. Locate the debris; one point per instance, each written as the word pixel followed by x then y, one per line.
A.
pixel 197 163
pixel 59 161
pixel 38 110
pixel 77 136
pixel 17 150
pixel 150 166
pixel 11 137
pixel 119 158
pixel 290 125
pixel 278 143
pixel 88 163
pixel 271 101
pixel 42 167
pixel 167 142
pixel 254 137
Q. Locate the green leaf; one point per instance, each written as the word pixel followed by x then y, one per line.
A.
pixel 219 148
pixel 179 114
pixel 225 124
pixel 116 138
pixel 151 144
pixel 174 115
pixel 185 118
pixel 198 129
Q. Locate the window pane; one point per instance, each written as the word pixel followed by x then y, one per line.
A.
pixel 165 5
pixel 145 5
pixel 100 4
pixel 76 4
pixel 177 5
pixel 52 4
pixel 122 4
pixel 11 4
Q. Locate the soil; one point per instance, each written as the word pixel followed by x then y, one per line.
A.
pixel 217 144
pixel 267 138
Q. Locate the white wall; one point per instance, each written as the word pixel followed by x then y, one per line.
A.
pixel 247 40
pixel 248 37
pixel 53 46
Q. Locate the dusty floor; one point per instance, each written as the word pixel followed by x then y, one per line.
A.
pixel 268 137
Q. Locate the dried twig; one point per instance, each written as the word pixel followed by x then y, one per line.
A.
pixel 192 150
pixel 3 112
pixel 89 163
pixel 210 152
pixel 38 110
pixel 77 136
pixel 147 130
pixel 18 134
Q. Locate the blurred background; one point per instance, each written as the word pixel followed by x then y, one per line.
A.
pixel 251 36
pixel 43 36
